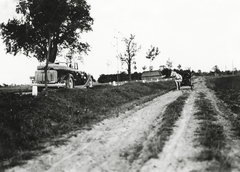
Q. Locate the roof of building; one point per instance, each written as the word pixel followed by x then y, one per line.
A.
pixel 151 73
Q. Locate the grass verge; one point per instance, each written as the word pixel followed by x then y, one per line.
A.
pixel 210 136
pixel 227 89
pixel 26 122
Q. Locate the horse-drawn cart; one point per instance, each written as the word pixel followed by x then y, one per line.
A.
pixel 187 79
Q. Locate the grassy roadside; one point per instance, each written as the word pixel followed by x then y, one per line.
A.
pixel 227 89
pixel 27 121
pixel 210 136
pixel 14 89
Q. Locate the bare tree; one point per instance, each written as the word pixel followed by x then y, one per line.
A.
pixel 128 57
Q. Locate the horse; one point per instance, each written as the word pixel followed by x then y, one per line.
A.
pixel 177 78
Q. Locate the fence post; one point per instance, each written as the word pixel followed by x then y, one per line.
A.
pixel 34 90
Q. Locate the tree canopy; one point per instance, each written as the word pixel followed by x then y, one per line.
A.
pixel 61 21
pixel 152 53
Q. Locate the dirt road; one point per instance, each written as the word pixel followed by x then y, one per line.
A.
pixel 117 144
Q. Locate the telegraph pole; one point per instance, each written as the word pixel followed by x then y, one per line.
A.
pixel 117 57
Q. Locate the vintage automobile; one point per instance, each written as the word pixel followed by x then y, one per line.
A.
pixel 62 75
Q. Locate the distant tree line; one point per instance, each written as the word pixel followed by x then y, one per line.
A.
pixel 217 72
pixel 123 76
pixel 166 72
pixel 220 73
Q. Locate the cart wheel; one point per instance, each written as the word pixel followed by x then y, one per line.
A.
pixel 70 83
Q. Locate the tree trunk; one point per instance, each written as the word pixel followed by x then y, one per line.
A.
pixel 129 72
pixel 53 53
pixel 47 61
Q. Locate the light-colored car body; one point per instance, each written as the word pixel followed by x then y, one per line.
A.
pixel 62 75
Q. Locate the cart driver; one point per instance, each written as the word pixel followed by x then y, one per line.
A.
pixel 177 78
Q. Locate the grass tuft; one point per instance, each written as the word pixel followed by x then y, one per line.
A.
pixel 170 116
pixel 165 127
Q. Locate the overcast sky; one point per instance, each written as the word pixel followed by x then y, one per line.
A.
pixel 196 34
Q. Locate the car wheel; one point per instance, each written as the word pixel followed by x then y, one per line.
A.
pixel 70 83
pixel 90 83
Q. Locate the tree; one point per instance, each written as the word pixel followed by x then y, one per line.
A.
pixel 161 67
pixel 44 24
pixel 166 72
pixel 169 64
pixel 47 27
pixel 71 55
pixel 179 67
pixel 199 72
pixel 216 70
pixel 151 68
pixel 128 57
pixel 151 54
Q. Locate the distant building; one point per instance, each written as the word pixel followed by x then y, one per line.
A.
pixel 152 75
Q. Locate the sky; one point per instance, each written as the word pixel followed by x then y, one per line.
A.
pixel 196 34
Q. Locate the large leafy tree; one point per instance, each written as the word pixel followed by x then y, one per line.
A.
pixel 128 57
pixel 46 27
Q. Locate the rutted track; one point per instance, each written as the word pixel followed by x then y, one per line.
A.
pixel 179 151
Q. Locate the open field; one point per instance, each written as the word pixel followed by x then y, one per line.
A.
pixel 227 89
pixel 134 127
